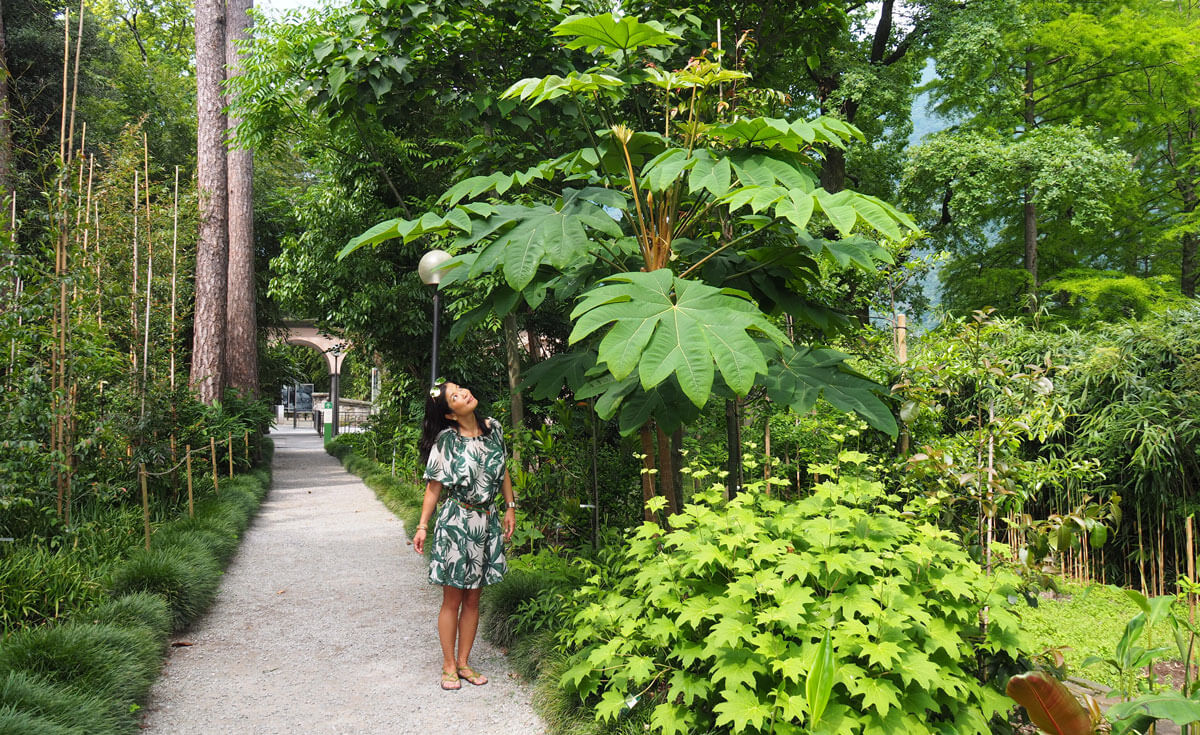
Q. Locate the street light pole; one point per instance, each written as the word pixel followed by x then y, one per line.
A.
pixel 431 275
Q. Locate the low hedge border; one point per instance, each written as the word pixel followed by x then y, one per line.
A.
pixel 92 674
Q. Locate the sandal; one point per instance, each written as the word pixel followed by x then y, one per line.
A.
pixel 450 681
pixel 472 676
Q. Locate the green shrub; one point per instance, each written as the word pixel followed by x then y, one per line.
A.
pixel 188 577
pixel 135 610
pixel 723 621
pixel 64 706
pixel 42 585
pixel 219 513
pixel 102 660
pixel 500 601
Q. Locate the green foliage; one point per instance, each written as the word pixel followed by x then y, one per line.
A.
pixel 40 584
pixel 1109 296
pixel 26 698
pixel 188 577
pixel 103 660
pixel 710 195
pixel 721 620
pixel 136 610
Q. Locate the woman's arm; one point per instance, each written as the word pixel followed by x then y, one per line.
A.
pixel 433 491
pixel 510 514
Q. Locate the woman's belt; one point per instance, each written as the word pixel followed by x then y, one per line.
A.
pixel 486 508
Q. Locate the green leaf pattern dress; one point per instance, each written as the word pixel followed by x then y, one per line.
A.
pixel 468 540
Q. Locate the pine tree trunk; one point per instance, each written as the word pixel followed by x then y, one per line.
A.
pixel 212 246
pixel 241 343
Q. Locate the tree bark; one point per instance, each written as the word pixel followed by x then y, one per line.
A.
pixel 512 354
pixel 6 136
pixel 1191 198
pixel 733 442
pixel 1031 223
pixel 208 345
pixel 647 439
pixel 241 338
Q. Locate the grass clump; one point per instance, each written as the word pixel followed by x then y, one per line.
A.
pixel 61 706
pixel 21 722
pixel 186 576
pixel 136 610
pixel 221 544
pixel 103 660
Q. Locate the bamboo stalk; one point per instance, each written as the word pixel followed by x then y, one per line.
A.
pixel 191 505
pixel 229 451
pixel 75 85
pixel 62 128
pixel 246 440
pixel 1141 555
pixel 145 503
pixel 174 259
pixel 1162 556
pixel 1191 566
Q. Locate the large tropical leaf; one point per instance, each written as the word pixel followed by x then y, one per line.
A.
pixel 801 376
pixel 613 35
pixel 1167 705
pixel 664 326
pixel 1051 706
pixel 546 379
pixel 539 90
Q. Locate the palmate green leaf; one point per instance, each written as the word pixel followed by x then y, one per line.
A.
pixel 544 234
pixel 801 376
pixel 688 329
pixel 742 708
pixel 670 719
pixel 661 172
pixel 612 35
pixel 546 379
pixel 550 87
pixel 710 173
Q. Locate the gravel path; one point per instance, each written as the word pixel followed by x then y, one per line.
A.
pixel 325 623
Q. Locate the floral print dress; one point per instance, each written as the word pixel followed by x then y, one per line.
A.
pixel 468 541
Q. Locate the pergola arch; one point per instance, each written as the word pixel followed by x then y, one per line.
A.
pixel 332 348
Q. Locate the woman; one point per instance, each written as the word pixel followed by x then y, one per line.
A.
pixel 464 456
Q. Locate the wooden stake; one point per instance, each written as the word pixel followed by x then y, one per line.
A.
pixel 145 502
pixel 134 292
pixel 246 440
pixel 174 471
pixel 191 506
pixel 212 449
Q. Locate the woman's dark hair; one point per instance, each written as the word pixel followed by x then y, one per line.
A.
pixel 435 421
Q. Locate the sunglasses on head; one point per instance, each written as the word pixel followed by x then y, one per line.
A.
pixel 436 387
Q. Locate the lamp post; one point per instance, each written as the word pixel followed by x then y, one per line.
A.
pixel 431 275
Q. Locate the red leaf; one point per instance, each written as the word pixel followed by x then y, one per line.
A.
pixel 1051 705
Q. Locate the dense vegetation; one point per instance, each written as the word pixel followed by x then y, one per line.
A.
pixel 810 412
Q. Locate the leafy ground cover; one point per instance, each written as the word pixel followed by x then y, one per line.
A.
pixel 1081 622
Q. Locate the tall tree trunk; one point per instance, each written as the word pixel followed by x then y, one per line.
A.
pixel 733 442
pixel 647 438
pixel 241 339
pixel 666 472
pixel 212 246
pixel 512 354
pixel 1031 224
pixel 1187 188
pixel 6 139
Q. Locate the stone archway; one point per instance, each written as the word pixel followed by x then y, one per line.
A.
pixel 332 348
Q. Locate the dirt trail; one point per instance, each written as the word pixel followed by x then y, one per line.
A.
pixel 325 623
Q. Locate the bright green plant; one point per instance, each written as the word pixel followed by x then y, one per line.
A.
pixel 680 236
pixel 832 614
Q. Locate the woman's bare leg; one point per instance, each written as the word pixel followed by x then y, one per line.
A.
pixel 448 623
pixel 468 623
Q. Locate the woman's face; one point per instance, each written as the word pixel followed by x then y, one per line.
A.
pixel 460 401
